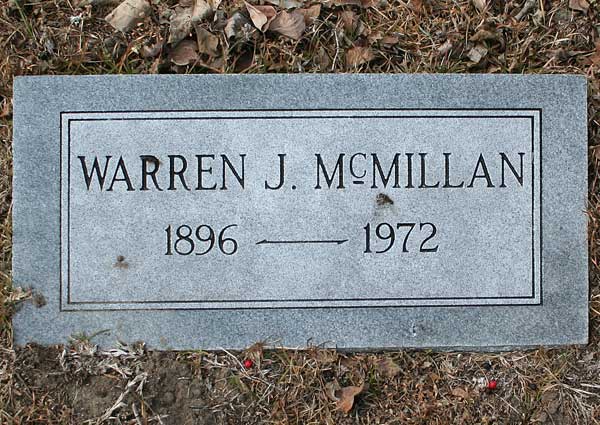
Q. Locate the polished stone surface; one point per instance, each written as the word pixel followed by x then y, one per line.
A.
pixel 414 210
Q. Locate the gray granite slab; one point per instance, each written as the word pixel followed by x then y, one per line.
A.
pixel 359 211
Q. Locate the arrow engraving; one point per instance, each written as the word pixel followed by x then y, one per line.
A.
pixel 336 241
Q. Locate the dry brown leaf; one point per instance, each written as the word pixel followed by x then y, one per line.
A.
pixel 477 53
pixel 152 51
pixel 348 364
pixel 345 397
pixel 416 6
pixel 445 48
pixel 310 13
pixel 388 367
pixel 155 66
pixel 595 59
pixel 479 4
pixel 596 154
pixel 245 61
pixel 183 18
pixel 331 388
pixel 372 3
pixel 485 34
pixel 563 55
pixel 185 53
pixel 201 10
pixel 5 110
pixel 358 55
pixel 580 5
pixel 321 58
pixel 286 4
pixel 289 24
pixel 180 24
pixel 390 40
pixel 216 64
pixel 235 24
pixel 261 15
pixel 349 20
pixel 208 43
pixel 460 392
pixel 128 14
pixel 374 36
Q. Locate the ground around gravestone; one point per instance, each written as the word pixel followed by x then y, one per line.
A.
pixel 129 385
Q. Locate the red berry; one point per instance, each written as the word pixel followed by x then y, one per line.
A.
pixel 248 363
pixel 492 384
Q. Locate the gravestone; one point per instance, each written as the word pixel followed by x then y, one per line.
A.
pixel 357 211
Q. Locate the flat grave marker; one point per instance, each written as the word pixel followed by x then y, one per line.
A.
pixel 360 211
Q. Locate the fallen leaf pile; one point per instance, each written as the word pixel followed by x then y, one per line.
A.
pixel 289 24
pixel 203 32
pixel 212 30
pixel 220 36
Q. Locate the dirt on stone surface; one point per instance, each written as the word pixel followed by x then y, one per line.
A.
pixel 80 384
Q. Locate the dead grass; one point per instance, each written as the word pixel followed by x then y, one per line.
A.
pixel 77 384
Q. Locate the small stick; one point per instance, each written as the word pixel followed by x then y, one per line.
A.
pixel 527 7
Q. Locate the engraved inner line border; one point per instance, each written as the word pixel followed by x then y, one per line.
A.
pixel 537 111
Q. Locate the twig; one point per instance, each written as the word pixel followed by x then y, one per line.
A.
pixel 527 7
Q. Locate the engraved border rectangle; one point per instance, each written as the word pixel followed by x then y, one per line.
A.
pixel 65 298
